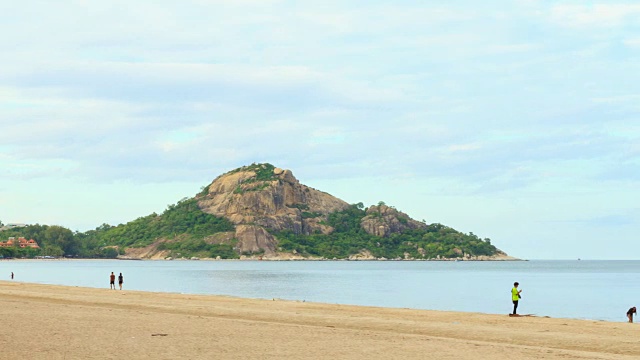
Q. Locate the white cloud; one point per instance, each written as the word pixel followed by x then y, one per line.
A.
pixel 595 15
pixel 632 42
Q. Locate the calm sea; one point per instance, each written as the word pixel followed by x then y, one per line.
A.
pixel 599 290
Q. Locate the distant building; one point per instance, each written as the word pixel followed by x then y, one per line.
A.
pixel 11 226
pixel 21 242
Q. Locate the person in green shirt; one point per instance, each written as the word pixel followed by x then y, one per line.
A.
pixel 515 296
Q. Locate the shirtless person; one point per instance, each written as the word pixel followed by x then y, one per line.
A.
pixel 112 281
pixel 630 313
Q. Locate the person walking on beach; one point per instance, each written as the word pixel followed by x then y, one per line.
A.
pixel 515 296
pixel 630 313
pixel 112 281
pixel 12 275
pixel 120 280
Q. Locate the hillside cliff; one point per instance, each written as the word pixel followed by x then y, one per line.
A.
pixel 262 199
pixel 382 220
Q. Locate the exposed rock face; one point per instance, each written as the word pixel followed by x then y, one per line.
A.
pixel 362 255
pixel 260 198
pixel 382 220
pixel 148 252
pixel 252 239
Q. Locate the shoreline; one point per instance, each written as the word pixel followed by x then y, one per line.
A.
pixel 277 258
pixel 530 315
pixel 89 323
pixel 90 288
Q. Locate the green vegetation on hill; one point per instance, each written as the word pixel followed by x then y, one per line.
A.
pixel 349 238
pixel 200 248
pixel 183 222
pixel 264 173
pixel 184 230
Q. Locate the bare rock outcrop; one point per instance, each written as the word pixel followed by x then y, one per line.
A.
pixel 382 220
pixel 362 255
pixel 260 199
pixel 150 251
pixel 253 239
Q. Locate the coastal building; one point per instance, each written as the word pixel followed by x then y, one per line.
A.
pixel 11 226
pixel 20 242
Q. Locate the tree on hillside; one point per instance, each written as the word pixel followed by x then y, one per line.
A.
pixel 60 237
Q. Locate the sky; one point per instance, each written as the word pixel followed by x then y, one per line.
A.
pixel 518 121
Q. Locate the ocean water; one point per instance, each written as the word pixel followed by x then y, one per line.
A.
pixel 598 290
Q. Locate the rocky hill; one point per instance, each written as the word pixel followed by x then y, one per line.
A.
pixel 261 211
pixel 262 199
pixel 382 220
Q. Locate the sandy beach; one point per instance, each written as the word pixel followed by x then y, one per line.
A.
pixel 58 322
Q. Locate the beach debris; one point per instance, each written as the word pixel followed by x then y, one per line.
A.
pixel 159 334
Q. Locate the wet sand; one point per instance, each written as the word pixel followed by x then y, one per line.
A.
pixel 58 322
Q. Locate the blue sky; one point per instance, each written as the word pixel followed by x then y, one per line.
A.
pixel 518 121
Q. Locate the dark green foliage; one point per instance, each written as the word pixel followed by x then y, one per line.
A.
pixel 349 238
pixel 199 248
pixel 309 215
pixel 17 252
pixel 223 250
pixel 347 221
pixel 264 174
pixel 53 240
pixel 300 206
pixel 108 253
pixel 203 191
pixel 184 219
